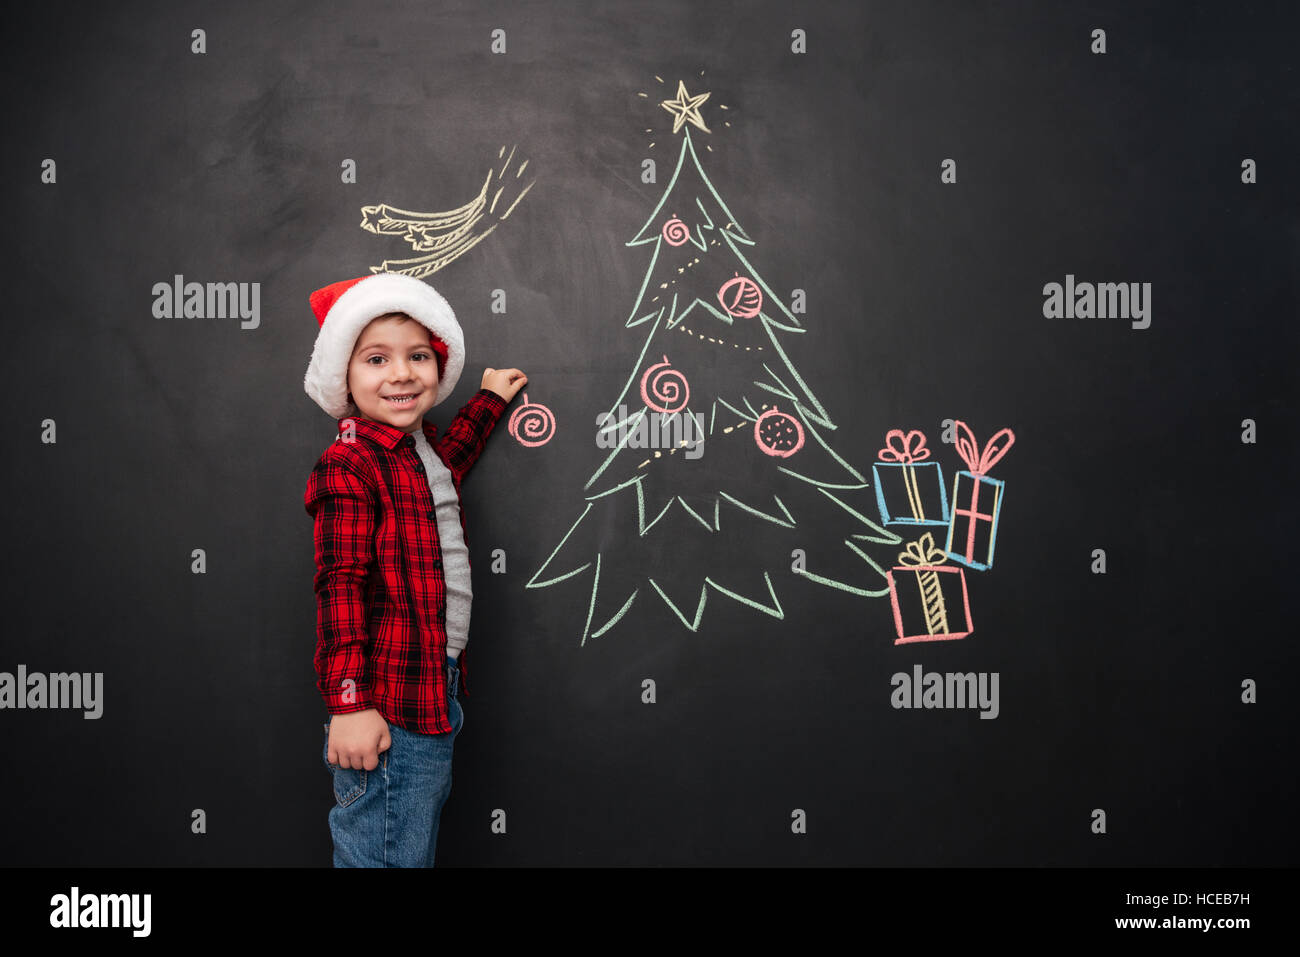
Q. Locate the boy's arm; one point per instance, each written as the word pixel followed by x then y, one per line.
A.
pixel 340 502
pixel 463 441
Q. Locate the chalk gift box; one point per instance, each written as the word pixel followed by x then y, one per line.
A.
pixel 909 491
pixel 929 598
pixel 976 499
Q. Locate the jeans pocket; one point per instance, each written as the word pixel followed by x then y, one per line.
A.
pixel 349 784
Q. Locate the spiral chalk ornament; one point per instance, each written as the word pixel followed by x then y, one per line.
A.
pixel 664 389
pixel 532 424
pixel 676 232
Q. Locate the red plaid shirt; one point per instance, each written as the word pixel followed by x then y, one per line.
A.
pixel 381 600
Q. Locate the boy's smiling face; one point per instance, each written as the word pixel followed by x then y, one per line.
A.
pixel 394 357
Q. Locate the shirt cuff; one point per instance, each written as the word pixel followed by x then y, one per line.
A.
pixel 491 396
pixel 360 702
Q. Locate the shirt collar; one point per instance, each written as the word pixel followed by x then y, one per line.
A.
pixel 389 436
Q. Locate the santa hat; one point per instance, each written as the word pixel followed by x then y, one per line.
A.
pixel 345 308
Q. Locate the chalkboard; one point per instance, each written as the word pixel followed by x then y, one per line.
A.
pixel 982 316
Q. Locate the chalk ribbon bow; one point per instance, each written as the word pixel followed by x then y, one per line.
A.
pixel 921 552
pixel 979 462
pixel 911 447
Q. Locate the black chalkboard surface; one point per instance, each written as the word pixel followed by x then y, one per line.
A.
pixel 901 478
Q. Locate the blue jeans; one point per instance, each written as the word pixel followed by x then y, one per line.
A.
pixel 388 817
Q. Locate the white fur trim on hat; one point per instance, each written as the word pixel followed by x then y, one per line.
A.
pixel 327 374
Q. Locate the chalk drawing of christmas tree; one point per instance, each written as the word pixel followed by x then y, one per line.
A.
pixel 717 482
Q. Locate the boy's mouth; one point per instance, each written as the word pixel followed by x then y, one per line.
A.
pixel 401 401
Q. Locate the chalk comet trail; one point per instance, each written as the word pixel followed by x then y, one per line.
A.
pixel 443 237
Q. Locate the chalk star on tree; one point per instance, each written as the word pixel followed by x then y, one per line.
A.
pixel 686 108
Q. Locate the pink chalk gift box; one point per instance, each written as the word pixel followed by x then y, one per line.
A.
pixel 976 499
pixel 925 593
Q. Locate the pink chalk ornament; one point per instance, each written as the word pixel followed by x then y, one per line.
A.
pixel 532 423
pixel 778 434
pixel 676 232
pixel 741 297
pixel 665 390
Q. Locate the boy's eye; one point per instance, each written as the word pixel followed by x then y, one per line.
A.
pixel 372 359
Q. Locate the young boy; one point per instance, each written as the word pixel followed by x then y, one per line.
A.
pixel 392 560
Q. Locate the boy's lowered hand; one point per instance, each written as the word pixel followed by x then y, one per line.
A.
pixel 504 382
pixel 357 738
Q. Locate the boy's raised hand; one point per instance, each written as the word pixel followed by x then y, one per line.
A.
pixel 358 738
pixel 504 382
